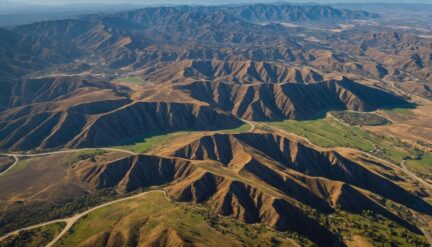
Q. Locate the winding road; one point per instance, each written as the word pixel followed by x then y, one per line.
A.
pixel 17 156
pixel 13 164
pixel 402 167
pixel 72 220
pixel 252 125
pixel 414 176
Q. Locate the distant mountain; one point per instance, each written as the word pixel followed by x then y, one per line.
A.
pixel 139 37
pixel 285 12
pixel 155 38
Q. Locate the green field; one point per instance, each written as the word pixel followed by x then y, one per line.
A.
pixel 422 166
pixel 21 165
pixel 400 111
pixel 143 144
pixel 327 132
pixel 34 238
pixel 132 80
pixel 146 217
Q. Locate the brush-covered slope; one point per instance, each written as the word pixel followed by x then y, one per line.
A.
pixel 292 101
pixel 286 12
pixel 150 35
pixel 140 171
pixel 193 183
pixel 84 125
pixel 83 112
pixel 254 178
pixel 251 153
pixel 17 93
pixel 88 112
pixel 241 72
pixel 262 178
pixel 403 56
pixel 152 220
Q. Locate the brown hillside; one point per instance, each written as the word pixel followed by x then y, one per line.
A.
pixel 264 155
pixel 242 72
pixel 252 177
pixel 85 125
pixel 293 101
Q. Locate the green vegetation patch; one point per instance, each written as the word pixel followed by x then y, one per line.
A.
pixel 360 118
pixel 34 238
pixel 374 227
pixel 142 144
pixel 327 132
pixel 400 111
pixel 152 215
pixel 399 114
pixel 241 129
pixel 21 165
pixel 422 165
pixel 91 154
pixel 132 80
pixel 44 214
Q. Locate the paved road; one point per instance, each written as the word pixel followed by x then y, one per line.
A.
pixel 72 220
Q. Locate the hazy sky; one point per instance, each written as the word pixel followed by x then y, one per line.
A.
pixel 200 1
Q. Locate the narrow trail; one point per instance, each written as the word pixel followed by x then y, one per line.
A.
pixel 30 228
pixel 16 156
pixel 252 125
pixel 13 164
pixel 72 220
pixel 413 175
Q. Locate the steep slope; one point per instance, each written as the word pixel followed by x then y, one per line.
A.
pixel 395 52
pixel 97 124
pixel 286 12
pixel 242 72
pixel 164 223
pixel 134 172
pixel 249 204
pixel 293 101
pixel 137 38
pixel 252 153
pixel 255 178
pixel 28 91
pixel 262 178
pixel 85 112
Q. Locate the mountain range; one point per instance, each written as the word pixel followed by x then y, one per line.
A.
pixel 221 118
